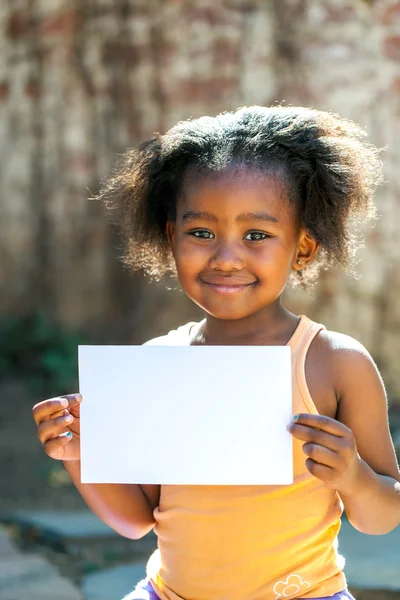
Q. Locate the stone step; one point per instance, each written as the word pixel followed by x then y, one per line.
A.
pixel 30 576
pixel 114 583
pixel 65 528
pixel 55 526
pixel 372 561
pixel 7 549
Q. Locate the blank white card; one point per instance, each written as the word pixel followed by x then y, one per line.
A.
pixel 201 415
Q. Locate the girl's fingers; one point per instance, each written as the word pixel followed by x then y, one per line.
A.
pixel 73 399
pixel 323 472
pixel 60 413
pixel 53 428
pixel 317 436
pixel 322 422
pixel 55 447
pixel 44 411
pixel 321 454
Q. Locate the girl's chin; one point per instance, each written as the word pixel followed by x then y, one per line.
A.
pixel 227 308
pixel 225 313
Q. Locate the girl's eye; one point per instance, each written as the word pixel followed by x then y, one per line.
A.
pixel 256 236
pixel 202 234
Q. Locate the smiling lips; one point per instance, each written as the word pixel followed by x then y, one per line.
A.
pixel 227 285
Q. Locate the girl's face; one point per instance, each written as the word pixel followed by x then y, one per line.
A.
pixel 235 241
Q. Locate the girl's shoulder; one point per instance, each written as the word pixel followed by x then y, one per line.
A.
pixel 342 358
pixel 175 337
pixel 362 403
pixel 336 346
pixel 344 383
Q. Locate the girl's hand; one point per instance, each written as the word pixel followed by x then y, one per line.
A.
pixel 331 450
pixel 58 426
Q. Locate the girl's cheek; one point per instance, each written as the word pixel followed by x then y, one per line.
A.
pixel 190 261
pixel 192 266
pixel 185 245
pixel 189 250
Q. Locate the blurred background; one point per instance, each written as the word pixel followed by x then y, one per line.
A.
pixel 82 81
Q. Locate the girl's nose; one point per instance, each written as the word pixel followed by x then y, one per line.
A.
pixel 226 257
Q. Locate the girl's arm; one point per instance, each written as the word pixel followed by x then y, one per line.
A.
pixel 373 504
pixel 354 454
pixel 128 509
pixel 372 501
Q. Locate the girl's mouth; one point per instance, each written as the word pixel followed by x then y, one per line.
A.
pixel 228 289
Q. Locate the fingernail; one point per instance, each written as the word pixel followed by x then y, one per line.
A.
pixel 68 417
pixel 295 417
pixel 68 435
pixel 78 397
pixel 64 402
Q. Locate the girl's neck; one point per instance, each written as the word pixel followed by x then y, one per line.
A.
pixel 273 326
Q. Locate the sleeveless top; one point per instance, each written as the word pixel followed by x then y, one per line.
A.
pixel 250 542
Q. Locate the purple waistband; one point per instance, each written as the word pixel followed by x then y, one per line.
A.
pixel 145 591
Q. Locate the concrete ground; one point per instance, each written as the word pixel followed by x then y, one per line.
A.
pixel 30 576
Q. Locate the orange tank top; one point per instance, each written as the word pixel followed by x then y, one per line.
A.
pixel 251 542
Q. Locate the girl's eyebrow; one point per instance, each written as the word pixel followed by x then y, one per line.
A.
pixel 257 216
pixel 192 215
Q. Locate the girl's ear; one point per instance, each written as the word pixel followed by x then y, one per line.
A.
pixel 307 248
pixel 170 231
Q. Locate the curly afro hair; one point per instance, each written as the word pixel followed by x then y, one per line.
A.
pixel 329 170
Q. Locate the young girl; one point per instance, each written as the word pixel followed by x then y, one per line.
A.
pixel 239 205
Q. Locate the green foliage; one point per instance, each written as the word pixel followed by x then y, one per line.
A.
pixel 41 351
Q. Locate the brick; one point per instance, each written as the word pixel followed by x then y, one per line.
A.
pixel 396 85
pixel 62 23
pixel 391 14
pixel 194 91
pixel 18 25
pixel 128 54
pixel 392 47
pixel 339 13
pixel 225 52
pixel 208 14
pixel 33 88
pixel 4 90
pixel 167 55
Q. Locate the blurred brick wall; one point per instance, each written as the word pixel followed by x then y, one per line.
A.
pixel 80 81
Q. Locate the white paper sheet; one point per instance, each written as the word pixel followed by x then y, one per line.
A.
pixel 212 415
